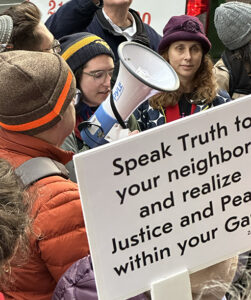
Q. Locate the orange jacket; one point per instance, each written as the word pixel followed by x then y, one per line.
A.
pixel 59 237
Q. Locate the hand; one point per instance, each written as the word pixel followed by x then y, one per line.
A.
pixel 133 132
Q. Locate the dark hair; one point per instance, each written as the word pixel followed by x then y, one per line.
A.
pixel 14 219
pixel 26 16
pixel 243 54
pixel 78 75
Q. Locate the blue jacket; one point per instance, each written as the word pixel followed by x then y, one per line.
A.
pixel 83 15
pixel 78 283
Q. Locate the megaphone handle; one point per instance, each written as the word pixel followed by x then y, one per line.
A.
pixel 116 113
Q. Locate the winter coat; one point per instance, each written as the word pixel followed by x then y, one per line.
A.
pixel 78 283
pixel 74 17
pixel 149 117
pixel 59 235
pixel 231 75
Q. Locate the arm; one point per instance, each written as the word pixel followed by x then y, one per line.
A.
pixel 74 16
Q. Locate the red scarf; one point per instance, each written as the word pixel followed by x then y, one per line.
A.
pixel 173 112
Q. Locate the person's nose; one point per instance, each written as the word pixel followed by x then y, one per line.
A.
pixel 187 54
pixel 107 81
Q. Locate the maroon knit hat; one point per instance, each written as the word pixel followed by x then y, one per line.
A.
pixel 35 90
pixel 184 28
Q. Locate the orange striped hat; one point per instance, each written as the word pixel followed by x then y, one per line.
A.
pixel 35 90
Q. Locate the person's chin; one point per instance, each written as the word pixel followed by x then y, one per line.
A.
pixel 187 73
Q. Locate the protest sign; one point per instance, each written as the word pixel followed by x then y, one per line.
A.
pixel 171 198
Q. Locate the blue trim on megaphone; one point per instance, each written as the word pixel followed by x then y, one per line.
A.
pixel 100 124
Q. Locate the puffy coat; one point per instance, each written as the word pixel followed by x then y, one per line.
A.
pixel 78 283
pixel 59 237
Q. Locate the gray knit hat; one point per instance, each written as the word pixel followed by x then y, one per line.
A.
pixel 233 24
pixel 6 27
pixel 36 88
pixel 78 48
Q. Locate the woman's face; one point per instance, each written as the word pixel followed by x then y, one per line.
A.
pixel 95 81
pixel 185 57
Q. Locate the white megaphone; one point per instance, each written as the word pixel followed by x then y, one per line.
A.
pixel 142 74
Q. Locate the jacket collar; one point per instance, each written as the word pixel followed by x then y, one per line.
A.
pixel 28 146
pixel 140 35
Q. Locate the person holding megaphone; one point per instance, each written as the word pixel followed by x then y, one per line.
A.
pixel 92 62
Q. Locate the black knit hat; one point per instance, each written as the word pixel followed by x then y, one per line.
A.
pixel 78 48
pixel 36 88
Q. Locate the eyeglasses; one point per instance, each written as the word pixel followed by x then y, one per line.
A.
pixel 100 75
pixel 56 48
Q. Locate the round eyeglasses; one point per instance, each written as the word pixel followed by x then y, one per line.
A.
pixel 100 75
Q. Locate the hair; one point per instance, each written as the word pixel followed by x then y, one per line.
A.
pixel 243 54
pixel 78 75
pixel 237 291
pixel 26 16
pixel 14 218
pixel 204 86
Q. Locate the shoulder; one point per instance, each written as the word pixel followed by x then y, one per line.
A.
pixel 220 65
pixel 77 280
pixel 54 192
pixel 154 36
pixel 148 117
pixel 221 98
pixel 152 31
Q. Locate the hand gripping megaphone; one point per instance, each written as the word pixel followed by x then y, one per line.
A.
pixel 142 74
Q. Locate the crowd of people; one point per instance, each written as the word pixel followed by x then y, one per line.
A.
pixel 53 77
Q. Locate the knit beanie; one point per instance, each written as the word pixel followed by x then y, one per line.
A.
pixel 35 90
pixel 184 28
pixel 233 24
pixel 77 49
pixel 6 26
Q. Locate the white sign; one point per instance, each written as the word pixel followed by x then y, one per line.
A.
pixel 171 198
pixel 152 13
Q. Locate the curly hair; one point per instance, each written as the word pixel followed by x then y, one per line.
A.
pixel 14 216
pixel 234 291
pixel 204 86
pixel 26 16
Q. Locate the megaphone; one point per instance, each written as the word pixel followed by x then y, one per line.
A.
pixel 142 74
